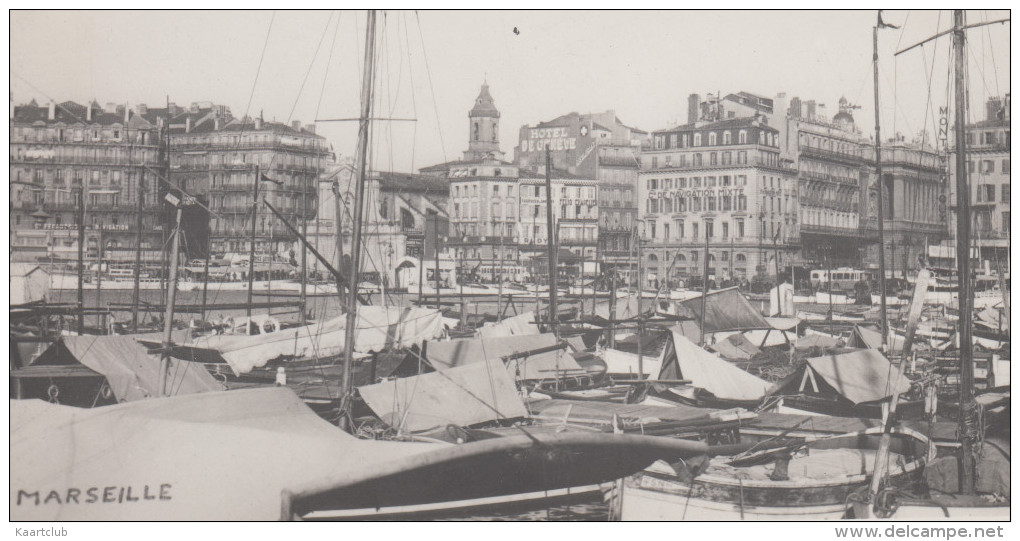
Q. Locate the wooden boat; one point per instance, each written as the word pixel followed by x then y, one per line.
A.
pixel 819 478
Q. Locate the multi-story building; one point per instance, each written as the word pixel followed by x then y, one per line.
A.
pixel 110 154
pixel 832 173
pixel 397 209
pixel 913 184
pixel 988 170
pixel 575 221
pixel 722 180
pixel 596 146
pixel 214 157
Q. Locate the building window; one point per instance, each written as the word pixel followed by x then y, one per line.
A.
pixel 655 162
pixel 987 166
pixel 697 139
pixel 742 137
pixel 727 138
pixel 697 160
pixel 1005 192
pixel 713 159
pixel 740 228
pixel 742 157
pixel 712 139
pixel 725 234
pixel 1005 222
pixel 727 158
pixel 1005 165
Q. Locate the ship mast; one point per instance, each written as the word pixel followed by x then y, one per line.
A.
pixel 359 200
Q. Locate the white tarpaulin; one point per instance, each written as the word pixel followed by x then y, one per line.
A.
pixel 861 376
pixel 623 362
pixel 711 373
pixel 209 456
pixel 462 396
pixel 379 328
pixel 522 324
pixel 447 354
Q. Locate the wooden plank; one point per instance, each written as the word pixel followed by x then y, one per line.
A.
pixel 71 371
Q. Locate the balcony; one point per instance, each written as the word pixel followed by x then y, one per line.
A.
pixel 705 166
pixel 843 157
pixel 823 177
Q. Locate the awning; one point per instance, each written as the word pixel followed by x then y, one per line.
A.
pixel 132 372
pixel 861 376
pixel 461 396
pixel 705 370
pixel 443 355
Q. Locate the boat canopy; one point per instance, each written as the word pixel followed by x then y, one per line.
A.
pixel 443 355
pixel 379 328
pixel 462 396
pixel 522 324
pixel 210 456
pixel 685 360
pixel 860 376
pixel 726 310
pixel 132 372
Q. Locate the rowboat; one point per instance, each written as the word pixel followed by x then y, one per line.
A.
pixel 812 482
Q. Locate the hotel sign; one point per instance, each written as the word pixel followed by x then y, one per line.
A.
pixel 559 138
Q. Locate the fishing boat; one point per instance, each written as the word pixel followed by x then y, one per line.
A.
pixel 804 481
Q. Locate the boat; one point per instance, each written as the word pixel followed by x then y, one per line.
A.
pixel 803 481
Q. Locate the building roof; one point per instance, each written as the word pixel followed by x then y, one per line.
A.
pixel 729 123
pixel 995 123
pixel 67 112
pixel 408 182
pixel 530 174
pixel 445 166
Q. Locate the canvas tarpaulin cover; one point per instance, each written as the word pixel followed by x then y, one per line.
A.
pixel 705 370
pixel 133 374
pixel 736 347
pixel 462 396
pixel 624 362
pixel 447 354
pixel 626 308
pixel 379 328
pixel 818 341
pixel 209 456
pixel 860 376
pixel 522 324
pixel 727 310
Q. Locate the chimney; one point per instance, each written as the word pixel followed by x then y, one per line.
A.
pixel 821 112
pixel 796 111
pixel 52 113
pixel 810 114
pixel 310 128
pixel 296 125
pixel 194 108
pixel 693 108
pixel 173 109
pixel 258 123
pixel 993 108
pixel 127 114
pixel 1005 108
pixel 88 113
pixel 187 125
pixel 216 123
pixel 110 107
pixel 142 109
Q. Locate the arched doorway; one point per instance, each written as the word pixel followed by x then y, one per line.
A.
pixel 405 273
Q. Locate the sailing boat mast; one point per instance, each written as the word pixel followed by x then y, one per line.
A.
pixel 359 197
pixel 881 197
pixel 251 249
pixel 168 318
pixel 963 257
pixel 551 246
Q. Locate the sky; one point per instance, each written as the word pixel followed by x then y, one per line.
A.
pixel 306 65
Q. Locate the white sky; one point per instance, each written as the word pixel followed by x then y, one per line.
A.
pixel 642 64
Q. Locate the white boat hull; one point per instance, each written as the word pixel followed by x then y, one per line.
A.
pixel 646 503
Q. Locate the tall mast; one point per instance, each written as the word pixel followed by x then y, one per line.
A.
pixel 963 253
pixel 168 318
pixel 550 234
pixel 359 195
pixel 881 196
pixel 81 256
pixel 704 284
pixel 251 249
pixel 138 238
